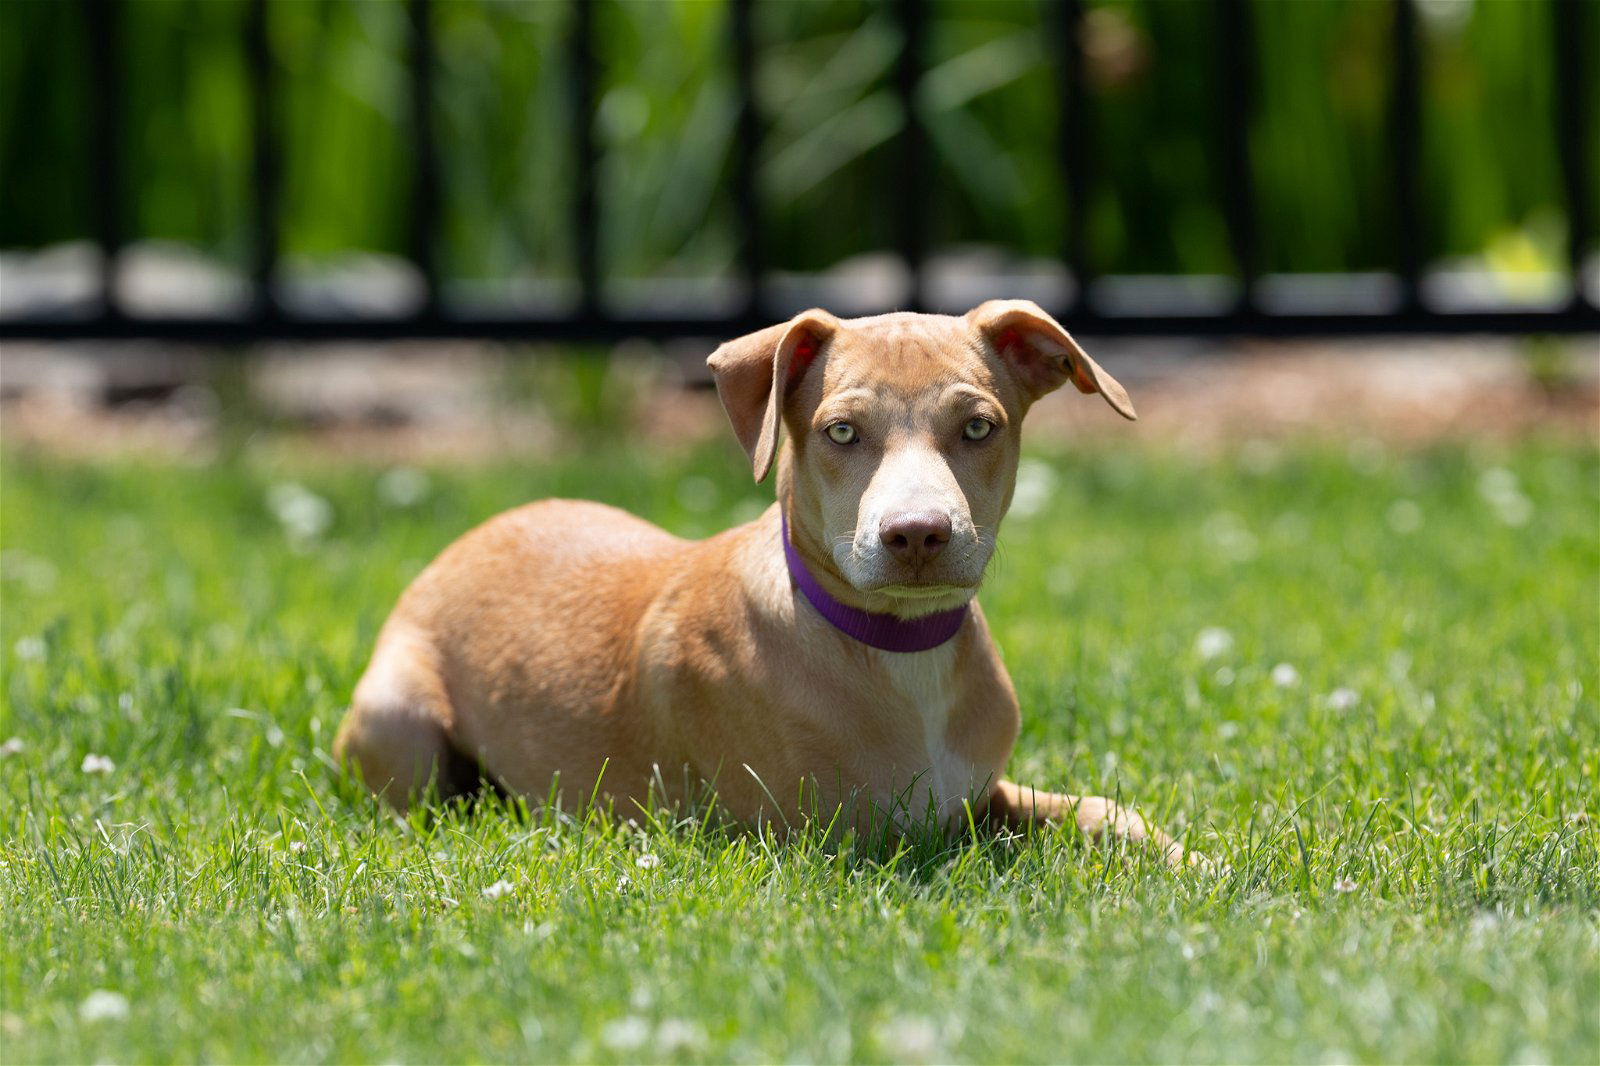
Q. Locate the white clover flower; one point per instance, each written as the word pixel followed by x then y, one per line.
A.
pixel 403 486
pixel 1345 886
pixel 498 889
pixel 1035 483
pixel 1212 642
pixel 30 649
pixel 1284 675
pixel 12 747
pixel 1497 481
pixel 675 1034
pixel 1404 516
pixel 909 1036
pixel 647 862
pixel 97 764
pixel 625 1034
pixel 1514 510
pixel 1499 488
pixel 1342 699
pixel 303 514
pixel 103 1005
pixel 1229 536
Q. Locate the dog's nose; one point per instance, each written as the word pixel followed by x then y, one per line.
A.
pixel 914 537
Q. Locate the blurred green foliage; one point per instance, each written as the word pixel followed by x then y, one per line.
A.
pixel 666 114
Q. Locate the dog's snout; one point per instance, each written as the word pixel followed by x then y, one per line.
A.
pixel 914 537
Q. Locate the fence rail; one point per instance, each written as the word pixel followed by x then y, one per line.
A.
pixel 592 318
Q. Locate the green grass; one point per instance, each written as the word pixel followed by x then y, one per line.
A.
pixel 1410 826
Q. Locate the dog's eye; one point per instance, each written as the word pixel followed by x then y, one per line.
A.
pixel 977 429
pixel 842 433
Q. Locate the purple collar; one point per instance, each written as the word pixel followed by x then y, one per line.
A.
pixel 883 631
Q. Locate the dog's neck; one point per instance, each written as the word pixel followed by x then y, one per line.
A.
pixel 885 632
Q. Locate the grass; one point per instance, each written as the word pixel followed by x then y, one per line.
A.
pixel 1408 807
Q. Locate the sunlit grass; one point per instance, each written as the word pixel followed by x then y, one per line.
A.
pixel 1365 681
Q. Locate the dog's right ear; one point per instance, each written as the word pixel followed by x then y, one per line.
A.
pixel 755 372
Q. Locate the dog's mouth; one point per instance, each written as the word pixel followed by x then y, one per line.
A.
pixel 921 591
pixel 915 599
pixel 952 577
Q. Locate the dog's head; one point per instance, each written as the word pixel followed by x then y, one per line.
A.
pixel 903 434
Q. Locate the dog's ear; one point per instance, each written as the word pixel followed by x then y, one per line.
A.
pixel 755 372
pixel 1041 354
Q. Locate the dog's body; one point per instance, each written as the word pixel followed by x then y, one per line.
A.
pixel 624 647
pixel 571 648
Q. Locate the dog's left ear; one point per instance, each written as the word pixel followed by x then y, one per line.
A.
pixel 755 372
pixel 1041 354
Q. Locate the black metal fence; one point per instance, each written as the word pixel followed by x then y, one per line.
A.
pixel 1404 309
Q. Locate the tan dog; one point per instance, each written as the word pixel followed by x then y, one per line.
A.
pixel 569 648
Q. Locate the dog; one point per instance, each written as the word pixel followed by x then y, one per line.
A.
pixel 828 656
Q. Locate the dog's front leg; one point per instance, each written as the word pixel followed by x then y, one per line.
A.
pixel 1096 817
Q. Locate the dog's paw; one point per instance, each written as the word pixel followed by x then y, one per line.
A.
pixel 1205 866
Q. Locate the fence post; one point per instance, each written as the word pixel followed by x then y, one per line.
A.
pixel 265 168
pixel 425 193
pixel 746 156
pixel 910 193
pixel 1568 19
pixel 103 26
pixel 586 213
pixel 1237 74
pixel 1072 135
pixel 1405 149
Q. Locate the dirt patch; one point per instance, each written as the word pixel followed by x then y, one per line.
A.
pixel 430 402
pixel 1406 393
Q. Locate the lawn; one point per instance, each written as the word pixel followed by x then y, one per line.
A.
pixel 1364 679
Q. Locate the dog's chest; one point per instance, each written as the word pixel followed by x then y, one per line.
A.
pixel 927 770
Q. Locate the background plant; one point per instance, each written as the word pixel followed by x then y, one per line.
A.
pixel 666 114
